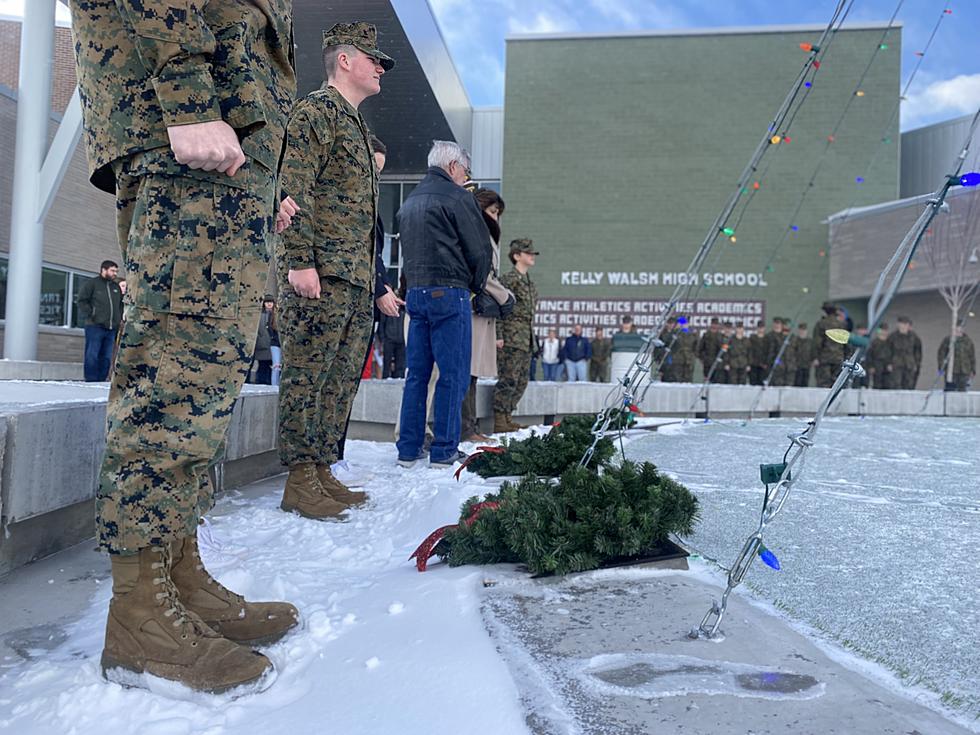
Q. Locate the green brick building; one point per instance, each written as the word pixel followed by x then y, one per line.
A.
pixel 620 151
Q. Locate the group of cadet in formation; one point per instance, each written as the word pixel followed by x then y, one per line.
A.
pixel 191 122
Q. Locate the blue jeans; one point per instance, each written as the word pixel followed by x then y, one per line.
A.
pixel 552 370
pixel 577 370
pixel 99 342
pixel 440 331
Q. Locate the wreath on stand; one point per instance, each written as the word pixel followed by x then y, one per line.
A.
pixel 562 517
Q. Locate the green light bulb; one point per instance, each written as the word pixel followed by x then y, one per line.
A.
pixel 729 231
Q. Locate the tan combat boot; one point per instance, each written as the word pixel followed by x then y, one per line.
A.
pixel 500 423
pixel 305 495
pixel 514 426
pixel 228 614
pixel 149 631
pixel 338 490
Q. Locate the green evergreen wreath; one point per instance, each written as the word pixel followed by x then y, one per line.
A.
pixel 574 524
pixel 550 454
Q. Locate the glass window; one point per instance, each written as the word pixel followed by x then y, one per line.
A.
pixel 78 281
pixel 54 297
pixel 388 203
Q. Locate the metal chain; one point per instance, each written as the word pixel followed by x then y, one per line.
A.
pixel 884 292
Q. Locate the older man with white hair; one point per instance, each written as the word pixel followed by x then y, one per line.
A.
pixel 446 256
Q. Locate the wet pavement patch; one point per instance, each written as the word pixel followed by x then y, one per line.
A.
pixel 658 675
pixel 30 643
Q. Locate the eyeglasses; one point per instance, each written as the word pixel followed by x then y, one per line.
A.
pixel 466 169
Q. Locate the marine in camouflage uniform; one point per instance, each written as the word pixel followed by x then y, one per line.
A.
pixel 709 346
pixel 737 359
pixel 599 363
pixel 964 360
pixel 879 359
pixel 827 354
pixel 684 353
pixel 906 355
pixel 328 168
pixel 514 358
pixel 196 248
pixel 801 353
pixel 779 365
pixel 758 355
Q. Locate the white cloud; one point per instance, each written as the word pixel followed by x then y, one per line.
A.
pixel 542 21
pixel 942 99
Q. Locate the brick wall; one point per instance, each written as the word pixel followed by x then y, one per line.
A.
pixel 63 73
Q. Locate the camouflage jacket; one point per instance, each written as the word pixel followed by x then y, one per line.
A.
pixel 684 346
pixel 906 350
pixel 964 357
pixel 328 169
pixel 774 343
pixel 708 347
pixel 758 351
pixel 601 349
pixel 737 358
pixel 879 356
pixel 515 330
pixel 800 352
pixel 145 66
pixel 825 350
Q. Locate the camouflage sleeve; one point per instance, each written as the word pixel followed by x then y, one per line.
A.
pixel 303 155
pixel 175 45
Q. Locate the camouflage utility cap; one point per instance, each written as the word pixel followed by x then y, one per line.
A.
pixel 363 36
pixel 522 245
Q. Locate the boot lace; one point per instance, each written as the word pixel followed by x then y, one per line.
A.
pixel 187 622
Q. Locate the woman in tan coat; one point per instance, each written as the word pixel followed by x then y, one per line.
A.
pixel 494 302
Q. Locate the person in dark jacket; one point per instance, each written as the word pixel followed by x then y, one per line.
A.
pixel 100 307
pixel 578 352
pixel 447 257
pixel 267 337
pixel 391 330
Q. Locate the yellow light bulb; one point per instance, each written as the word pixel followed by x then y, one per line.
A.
pixel 775 140
pixel 840 336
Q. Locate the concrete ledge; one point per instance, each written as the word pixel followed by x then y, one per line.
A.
pixel 52 437
pixel 34 370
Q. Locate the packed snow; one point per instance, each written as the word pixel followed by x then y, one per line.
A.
pixel 378 642
pixel 878 546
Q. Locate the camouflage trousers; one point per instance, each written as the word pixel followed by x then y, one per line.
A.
pixel 513 372
pixel 196 256
pixel 323 346
pixel 826 373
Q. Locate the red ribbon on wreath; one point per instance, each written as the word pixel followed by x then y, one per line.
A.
pixel 477 453
pixel 426 549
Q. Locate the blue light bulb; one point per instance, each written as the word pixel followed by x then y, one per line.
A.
pixel 970 179
pixel 682 320
pixel 768 558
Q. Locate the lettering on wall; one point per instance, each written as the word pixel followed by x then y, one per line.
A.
pixel 662 278
pixel 564 313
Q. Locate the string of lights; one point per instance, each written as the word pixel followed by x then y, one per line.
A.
pixel 640 367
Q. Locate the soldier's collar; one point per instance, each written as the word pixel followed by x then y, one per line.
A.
pixel 342 102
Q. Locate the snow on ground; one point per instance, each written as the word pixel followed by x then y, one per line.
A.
pixel 383 649
pixel 878 542
pixel 878 545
